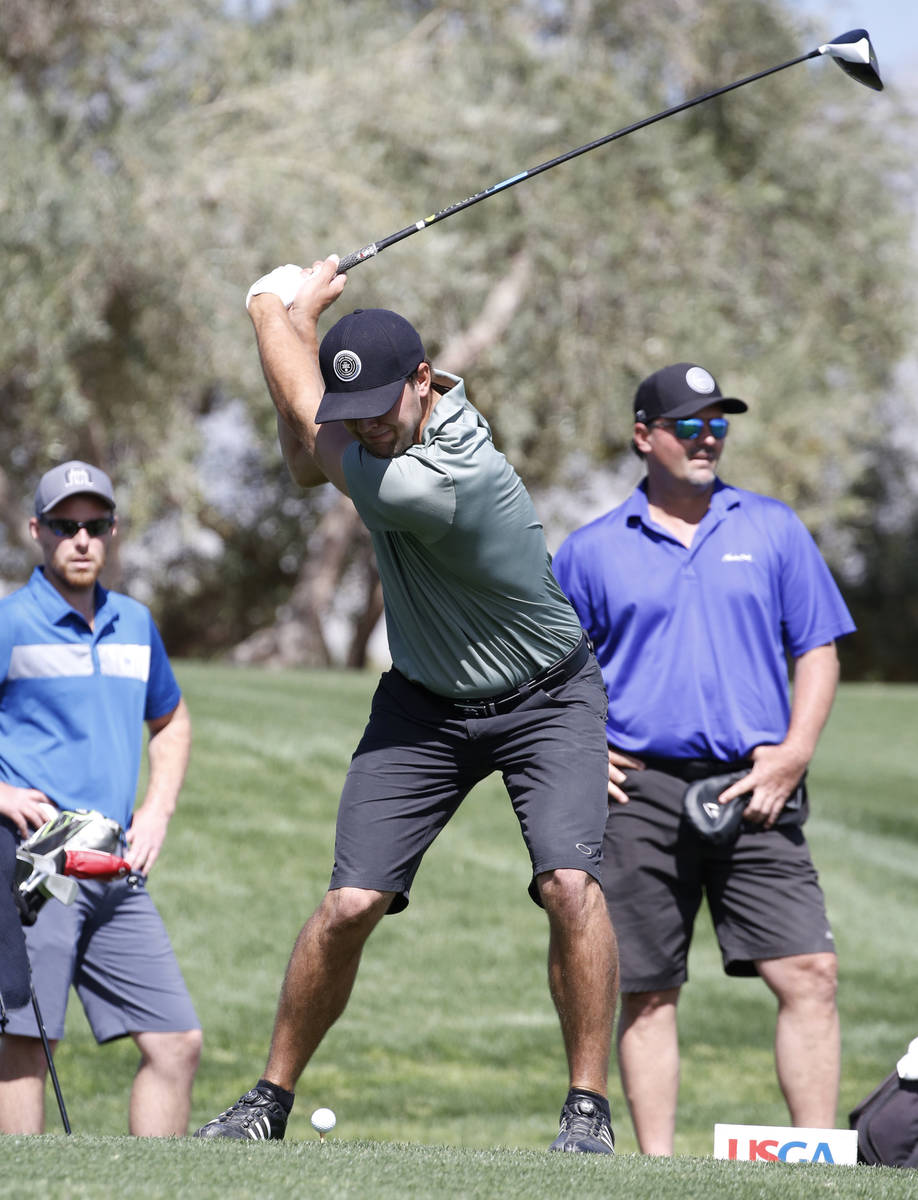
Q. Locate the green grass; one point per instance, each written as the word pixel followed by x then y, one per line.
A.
pixel 449 1048
pixel 93 1167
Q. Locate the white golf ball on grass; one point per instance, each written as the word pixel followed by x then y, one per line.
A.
pixel 323 1121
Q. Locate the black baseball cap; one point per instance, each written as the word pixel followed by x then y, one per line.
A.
pixel 72 478
pixel 679 391
pixel 365 359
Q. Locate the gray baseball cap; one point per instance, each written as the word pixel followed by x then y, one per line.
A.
pixel 71 479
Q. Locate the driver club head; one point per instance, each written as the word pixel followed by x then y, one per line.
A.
pixel 855 55
pixel 39 876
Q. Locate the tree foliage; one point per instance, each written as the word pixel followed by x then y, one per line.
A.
pixel 160 156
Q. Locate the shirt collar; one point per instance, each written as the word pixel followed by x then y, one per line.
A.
pixel 450 406
pixel 56 608
pixel 637 506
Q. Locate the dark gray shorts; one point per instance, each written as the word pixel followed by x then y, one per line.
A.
pixel 763 891
pixel 417 761
pixel 111 944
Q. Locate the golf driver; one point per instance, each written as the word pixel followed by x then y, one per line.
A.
pixel 852 51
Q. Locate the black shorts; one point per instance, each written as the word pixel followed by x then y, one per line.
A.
pixel 763 890
pixel 417 760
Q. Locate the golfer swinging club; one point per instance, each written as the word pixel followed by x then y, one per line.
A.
pixel 491 673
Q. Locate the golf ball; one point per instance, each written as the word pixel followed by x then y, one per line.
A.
pixel 323 1120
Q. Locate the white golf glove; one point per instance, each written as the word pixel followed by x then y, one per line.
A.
pixel 907 1066
pixel 282 281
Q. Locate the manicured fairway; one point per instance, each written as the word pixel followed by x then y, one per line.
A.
pixel 450 1044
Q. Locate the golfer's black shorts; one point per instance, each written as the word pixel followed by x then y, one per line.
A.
pixel 763 891
pixel 417 760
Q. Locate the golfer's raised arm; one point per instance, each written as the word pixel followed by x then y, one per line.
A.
pixel 288 347
pixel 303 468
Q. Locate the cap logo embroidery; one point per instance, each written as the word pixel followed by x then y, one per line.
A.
pixel 346 365
pixel 77 477
pixel 700 380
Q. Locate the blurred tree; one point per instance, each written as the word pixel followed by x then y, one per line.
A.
pixel 161 156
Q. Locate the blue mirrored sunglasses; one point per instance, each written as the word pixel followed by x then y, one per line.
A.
pixel 687 428
pixel 64 527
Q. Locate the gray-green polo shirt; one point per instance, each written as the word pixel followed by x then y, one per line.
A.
pixel 472 606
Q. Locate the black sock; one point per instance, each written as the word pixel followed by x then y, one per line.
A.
pixel 595 1096
pixel 281 1095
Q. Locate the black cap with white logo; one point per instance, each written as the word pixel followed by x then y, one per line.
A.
pixel 679 391
pixel 365 359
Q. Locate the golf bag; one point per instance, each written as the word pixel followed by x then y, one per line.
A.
pixel 887 1120
pixel 72 845
pixel 14 962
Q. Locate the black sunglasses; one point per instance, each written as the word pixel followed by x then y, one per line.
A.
pixel 687 428
pixel 64 527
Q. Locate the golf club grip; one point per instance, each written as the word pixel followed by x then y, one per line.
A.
pixel 354 260
pixel 370 251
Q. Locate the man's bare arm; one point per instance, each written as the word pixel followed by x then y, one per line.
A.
pixel 302 466
pixel 288 345
pixel 168 751
pixel 778 769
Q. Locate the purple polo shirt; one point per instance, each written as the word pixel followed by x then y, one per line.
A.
pixel 693 641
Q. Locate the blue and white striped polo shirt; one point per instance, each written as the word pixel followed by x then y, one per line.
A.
pixel 73 700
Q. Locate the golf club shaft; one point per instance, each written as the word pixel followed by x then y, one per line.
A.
pixel 50 1060
pixel 370 251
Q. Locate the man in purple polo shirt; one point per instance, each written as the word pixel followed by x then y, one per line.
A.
pixel 695 594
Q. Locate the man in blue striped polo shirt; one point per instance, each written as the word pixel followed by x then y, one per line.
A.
pixel 82 669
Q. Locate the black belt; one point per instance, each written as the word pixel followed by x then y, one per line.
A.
pixel 490 706
pixel 691 769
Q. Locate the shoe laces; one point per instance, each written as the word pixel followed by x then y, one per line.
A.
pixel 583 1118
pixel 253 1101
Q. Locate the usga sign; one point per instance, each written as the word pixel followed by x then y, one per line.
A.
pixel 777 1143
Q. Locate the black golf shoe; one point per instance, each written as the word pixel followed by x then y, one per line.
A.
pixel 257 1115
pixel 585 1127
